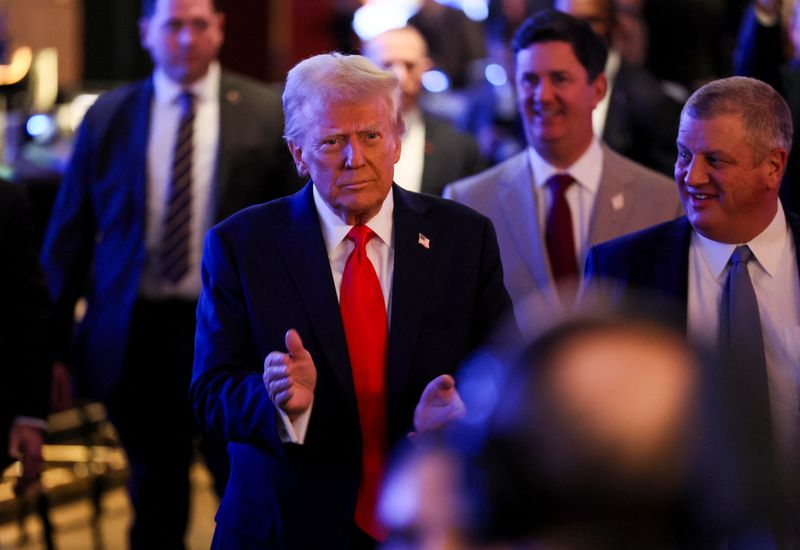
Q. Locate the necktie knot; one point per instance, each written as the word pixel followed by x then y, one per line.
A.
pixel 741 255
pixel 360 235
pixel 559 183
pixel 186 103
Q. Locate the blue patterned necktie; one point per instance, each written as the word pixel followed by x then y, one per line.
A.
pixel 177 231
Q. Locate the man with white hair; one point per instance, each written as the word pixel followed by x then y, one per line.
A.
pixel 324 316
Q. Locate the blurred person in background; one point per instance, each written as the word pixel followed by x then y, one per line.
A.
pixel 455 41
pixel 636 118
pixel 24 338
pixel 761 52
pixel 155 164
pixel 434 153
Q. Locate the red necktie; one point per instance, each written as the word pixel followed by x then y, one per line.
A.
pixel 365 327
pixel 558 231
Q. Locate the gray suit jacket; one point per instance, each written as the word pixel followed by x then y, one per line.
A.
pixel 630 197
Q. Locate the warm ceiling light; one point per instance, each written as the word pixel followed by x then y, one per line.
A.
pixel 20 64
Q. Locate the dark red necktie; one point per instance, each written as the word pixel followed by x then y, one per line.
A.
pixel 365 327
pixel 559 236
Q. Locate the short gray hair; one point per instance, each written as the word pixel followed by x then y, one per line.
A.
pixel 765 115
pixel 336 77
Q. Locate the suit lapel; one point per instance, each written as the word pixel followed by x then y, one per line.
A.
pixel 303 250
pixel 612 204
pixel 411 283
pixel 231 117
pixel 136 156
pixel 519 207
pixel 667 262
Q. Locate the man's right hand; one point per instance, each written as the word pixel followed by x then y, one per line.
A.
pixel 60 388
pixel 290 378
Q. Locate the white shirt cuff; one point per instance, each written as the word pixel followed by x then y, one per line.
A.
pixel 294 432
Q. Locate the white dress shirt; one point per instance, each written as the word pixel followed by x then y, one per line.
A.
pixel 580 196
pixel 776 282
pixel 165 115
pixel 408 170
pixel 380 251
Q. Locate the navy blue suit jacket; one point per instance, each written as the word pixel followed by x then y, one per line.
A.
pixel 654 261
pixel 266 270
pixel 95 242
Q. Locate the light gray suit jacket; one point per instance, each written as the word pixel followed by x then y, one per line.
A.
pixel 630 197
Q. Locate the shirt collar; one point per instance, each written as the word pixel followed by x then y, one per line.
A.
pixel 584 170
pixel 206 88
pixel 766 247
pixel 334 230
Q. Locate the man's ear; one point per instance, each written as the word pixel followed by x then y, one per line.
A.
pixel 776 165
pixel 297 155
pixel 600 86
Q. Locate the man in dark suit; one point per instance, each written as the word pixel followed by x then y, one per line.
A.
pixel 305 426
pixel 155 164
pixel 734 139
pixel 434 152
pixel 24 384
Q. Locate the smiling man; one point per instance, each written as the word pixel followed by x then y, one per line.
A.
pixel 326 314
pixel 733 257
pixel 568 190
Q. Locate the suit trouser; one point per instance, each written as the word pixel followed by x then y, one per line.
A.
pixel 149 408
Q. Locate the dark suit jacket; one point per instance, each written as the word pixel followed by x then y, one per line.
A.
pixel 642 120
pixel 759 54
pixel 25 378
pixel 95 242
pixel 653 261
pixel 266 270
pixel 450 155
pixel 656 261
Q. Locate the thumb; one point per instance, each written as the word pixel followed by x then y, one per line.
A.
pixel 439 389
pixel 294 344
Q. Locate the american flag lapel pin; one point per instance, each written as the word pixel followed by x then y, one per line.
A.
pixel 424 241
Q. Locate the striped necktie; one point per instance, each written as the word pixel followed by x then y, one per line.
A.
pixel 177 230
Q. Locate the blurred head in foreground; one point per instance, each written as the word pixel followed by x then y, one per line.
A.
pixel 601 431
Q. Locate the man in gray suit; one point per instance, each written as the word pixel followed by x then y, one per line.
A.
pixel 567 190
